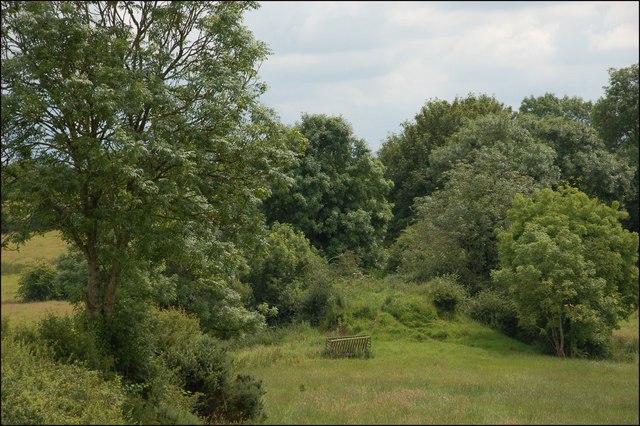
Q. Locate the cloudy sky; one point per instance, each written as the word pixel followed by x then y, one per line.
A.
pixel 377 63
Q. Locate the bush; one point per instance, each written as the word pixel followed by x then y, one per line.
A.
pixel 447 293
pixel 204 368
pixel 71 342
pixel 284 273
pixel 37 390
pixel 495 309
pixel 38 284
pixel 71 276
pixel 410 310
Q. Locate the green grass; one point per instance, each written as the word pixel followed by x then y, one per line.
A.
pixel 41 248
pixel 438 371
pixel 437 382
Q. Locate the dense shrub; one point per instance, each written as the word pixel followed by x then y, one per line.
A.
pixel 37 390
pixel 204 368
pixel 495 309
pixel 71 276
pixel 410 310
pixel 38 284
pixel 283 271
pixel 65 280
pixel 447 293
pixel 71 342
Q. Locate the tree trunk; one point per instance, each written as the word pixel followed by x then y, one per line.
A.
pixel 92 295
pixel 109 300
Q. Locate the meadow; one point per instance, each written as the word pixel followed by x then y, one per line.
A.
pixel 424 369
pixel 452 371
pixel 41 248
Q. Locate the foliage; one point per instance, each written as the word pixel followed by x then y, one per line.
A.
pixel 583 159
pixel 71 275
pixel 204 368
pixel 407 156
pixel 494 308
pixel 38 284
pixel 615 116
pixel 410 310
pixel 37 390
pixel 70 341
pixel 338 194
pixel 447 293
pixel 128 125
pixel 549 105
pixel 281 269
pixel 220 310
pixel 570 268
pixel 483 166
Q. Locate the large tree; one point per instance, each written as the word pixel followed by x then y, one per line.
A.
pixel 570 267
pixel 583 159
pixel 134 129
pixel 481 167
pixel 406 155
pixel 338 192
pixel 616 116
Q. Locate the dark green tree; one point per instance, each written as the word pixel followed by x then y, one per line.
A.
pixel 549 105
pixel 134 128
pixel 616 116
pixel 582 157
pixel 338 191
pixel 483 166
pixel 406 156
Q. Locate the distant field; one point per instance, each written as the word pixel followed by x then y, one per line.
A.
pixel 45 248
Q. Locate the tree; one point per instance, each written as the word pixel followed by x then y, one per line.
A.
pixel 549 105
pixel 406 156
pixel 569 266
pixel 338 194
pixel 134 129
pixel 582 157
pixel 616 116
pixel 284 271
pixel 482 167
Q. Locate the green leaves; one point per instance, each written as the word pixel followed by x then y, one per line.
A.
pixel 132 126
pixel 338 194
pixel 569 266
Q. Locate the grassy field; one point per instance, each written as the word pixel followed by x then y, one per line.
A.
pixel 44 248
pixel 438 382
pixel 426 370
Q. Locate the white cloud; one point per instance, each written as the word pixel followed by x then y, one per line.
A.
pixel 376 63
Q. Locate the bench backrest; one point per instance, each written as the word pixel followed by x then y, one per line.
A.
pixel 348 345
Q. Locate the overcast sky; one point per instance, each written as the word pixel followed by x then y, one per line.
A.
pixel 377 63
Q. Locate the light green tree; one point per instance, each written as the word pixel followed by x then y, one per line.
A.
pixel 134 128
pixel 338 195
pixel 570 268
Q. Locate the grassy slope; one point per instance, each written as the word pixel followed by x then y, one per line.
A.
pixel 45 248
pixel 468 373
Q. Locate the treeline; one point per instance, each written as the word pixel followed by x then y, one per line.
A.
pixel 197 220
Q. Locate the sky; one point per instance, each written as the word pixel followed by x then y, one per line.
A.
pixel 376 63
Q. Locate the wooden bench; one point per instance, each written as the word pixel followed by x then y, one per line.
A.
pixel 349 346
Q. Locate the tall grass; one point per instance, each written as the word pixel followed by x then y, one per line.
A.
pixel 430 370
pixel 439 382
